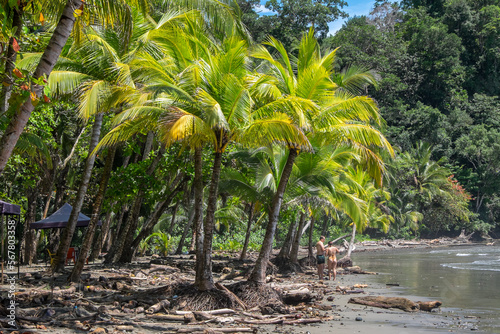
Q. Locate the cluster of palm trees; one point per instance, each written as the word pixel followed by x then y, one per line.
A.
pixel 299 133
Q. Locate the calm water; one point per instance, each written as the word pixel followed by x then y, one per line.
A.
pixel 466 279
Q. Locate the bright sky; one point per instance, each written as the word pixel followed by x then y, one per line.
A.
pixel 355 8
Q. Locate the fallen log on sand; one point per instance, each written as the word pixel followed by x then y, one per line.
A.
pixel 294 297
pixel 395 302
pixel 386 302
pixel 429 306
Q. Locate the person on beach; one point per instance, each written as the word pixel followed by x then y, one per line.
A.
pixel 320 256
pixel 331 253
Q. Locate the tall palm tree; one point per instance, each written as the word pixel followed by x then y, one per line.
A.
pixel 331 114
pixel 208 102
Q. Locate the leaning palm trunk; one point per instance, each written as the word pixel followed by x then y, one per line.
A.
pixel 69 230
pixel 45 66
pixel 204 278
pixel 147 229
pixel 94 219
pixel 10 62
pixel 258 274
pixel 119 253
pixel 247 234
pixel 130 226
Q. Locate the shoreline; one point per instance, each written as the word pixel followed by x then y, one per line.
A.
pixel 340 316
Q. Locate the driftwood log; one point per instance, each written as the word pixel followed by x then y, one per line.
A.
pixel 158 306
pixel 395 302
pixel 294 297
pixel 386 302
pixel 429 306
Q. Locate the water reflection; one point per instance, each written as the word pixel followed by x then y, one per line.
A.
pixel 463 278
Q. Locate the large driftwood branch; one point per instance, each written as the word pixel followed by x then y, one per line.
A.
pixel 395 302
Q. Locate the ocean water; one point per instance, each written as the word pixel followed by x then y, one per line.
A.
pixel 466 279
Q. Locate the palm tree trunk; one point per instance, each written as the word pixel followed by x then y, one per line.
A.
pixel 126 236
pixel 310 246
pixel 148 145
pixel 130 226
pixel 198 210
pixel 294 253
pixel 325 225
pixel 247 234
pixel 94 219
pixel 187 228
pixel 80 196
pixel 204 278
pixel 102 236
pixel 60 187
pixel 120 219
pixel 172 221
pixel 11 56
pixel 29 234
pixel 284 253
pixel 45 66
pixel 259 272
pixel 160 208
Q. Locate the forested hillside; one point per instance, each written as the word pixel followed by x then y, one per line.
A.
pixel 203 125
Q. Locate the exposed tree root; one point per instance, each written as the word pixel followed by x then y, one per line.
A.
pixel 285 265
pixel 309 261
pixel 190 298
pixel 344 262
pixel 253 294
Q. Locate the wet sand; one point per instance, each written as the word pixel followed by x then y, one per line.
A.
pixel 354 318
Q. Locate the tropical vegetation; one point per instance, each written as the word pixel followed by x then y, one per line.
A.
pixel 201 126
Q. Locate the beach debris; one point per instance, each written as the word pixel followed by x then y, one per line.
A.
pixel 386 302
pixel 429 306
pixel 396 302
pixel 346 290
pixel 294 297
pixel 358 270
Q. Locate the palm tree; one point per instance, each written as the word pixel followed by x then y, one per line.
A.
pixel 330 114
pixel 95 69
pixel 256 185
pixel 373 197
pixel 72 11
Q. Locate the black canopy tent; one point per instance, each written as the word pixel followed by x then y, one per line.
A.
pixel 59 219
pixel 12 211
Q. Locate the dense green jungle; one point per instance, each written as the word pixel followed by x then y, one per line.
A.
pixel 203 125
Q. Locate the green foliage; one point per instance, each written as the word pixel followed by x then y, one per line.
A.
pixel 162 242
pixel 289 19
pixel 437 85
